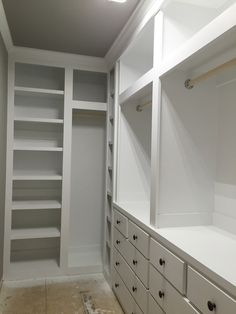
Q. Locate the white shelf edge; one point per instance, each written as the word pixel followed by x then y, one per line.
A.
pixel 89 105
pixel 20 90
pixel 37 177
pixel 35 233
pixel 143 81
pixel 34 148
pixel 39 120
pixel 33 204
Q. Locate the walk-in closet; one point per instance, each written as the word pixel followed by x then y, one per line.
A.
pixel 118 157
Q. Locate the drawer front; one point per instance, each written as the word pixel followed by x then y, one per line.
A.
pixel 168 264
pixel 207 297
pixel 153 307
pixel 126 249
pixel 121 223
pixel 167 296
pixel 126 300
pixel 139 239
pixel 140 294
pixel 140 266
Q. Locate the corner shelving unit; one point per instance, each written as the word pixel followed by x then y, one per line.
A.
pixel 35 140
pixel 109 175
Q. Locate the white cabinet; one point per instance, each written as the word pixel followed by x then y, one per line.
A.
pixel 121 223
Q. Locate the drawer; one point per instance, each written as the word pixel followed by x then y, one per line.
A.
pixel 121 223
pixel 126 249
pixel 153 307
pixel 139 239
pixel 138 264
pixel 169 299
pixel 169 265
pixel 134 285
pixel 126 300
pixel 207 297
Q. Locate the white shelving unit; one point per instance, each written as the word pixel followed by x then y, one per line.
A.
pixel 109 175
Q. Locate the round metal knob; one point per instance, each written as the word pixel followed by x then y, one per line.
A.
pixel 161 294
pixel 135 262
pixel 211 306
pixel 118 222
pixel 135 237
pixel 116 285
pixel 117 242
pixel 117 263
pixel 161 262
pixel 134 289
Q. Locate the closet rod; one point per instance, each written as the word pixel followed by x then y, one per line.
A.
pixel 140 108
pixel 190 83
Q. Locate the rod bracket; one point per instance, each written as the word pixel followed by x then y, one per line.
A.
pixel 188 84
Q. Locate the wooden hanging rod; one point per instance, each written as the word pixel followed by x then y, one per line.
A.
pixel 190 83
pixel 140 108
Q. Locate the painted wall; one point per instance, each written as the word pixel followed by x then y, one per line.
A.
pixel 3 113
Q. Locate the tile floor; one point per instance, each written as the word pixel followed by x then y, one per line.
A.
pixel 72 295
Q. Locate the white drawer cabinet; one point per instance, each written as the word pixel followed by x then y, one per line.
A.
pixel 169 299
pixel 121 223
pixel 153 307
pixel 139 238
pixel 133 257
pixel 168 264
pixel 134 285
pixel 207 297
pixel 126 300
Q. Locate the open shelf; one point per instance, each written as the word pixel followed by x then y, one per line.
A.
pixel 33 177
pixel 137 60
pixel 39 77
pixel 29 91
pixel 37 120
pixel 90 106
pixel 90 86
pixel 35 233
pixel 40 149
pixel 35 204
pixel 215 37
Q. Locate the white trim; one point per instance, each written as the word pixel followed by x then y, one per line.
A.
pixel 142 14
pixel 4 29
pixel 59 59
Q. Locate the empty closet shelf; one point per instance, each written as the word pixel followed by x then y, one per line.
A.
pixel 38 148
pixel 38 120
pixel 89 105
pixel 29 91
pixel 37 177
pixel 36 204
pixel 35 233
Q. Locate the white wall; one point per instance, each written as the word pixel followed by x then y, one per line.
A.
pixel 3 106
pixel 189 129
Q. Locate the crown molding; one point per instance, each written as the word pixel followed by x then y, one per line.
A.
pixel 4 29
pixel 142 14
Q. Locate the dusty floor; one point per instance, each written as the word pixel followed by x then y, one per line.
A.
pixel 80 295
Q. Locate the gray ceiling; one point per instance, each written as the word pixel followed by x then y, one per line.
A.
pixel 87 27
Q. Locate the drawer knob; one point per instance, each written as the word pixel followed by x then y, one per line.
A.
pixel 211 306
pixel 161 294
pixel 117 263
pixel 135 262
pixel 162 262
pixel 135 237
pixel 116 285
pixel 118 222
pixel 117 242
pixel 134 289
